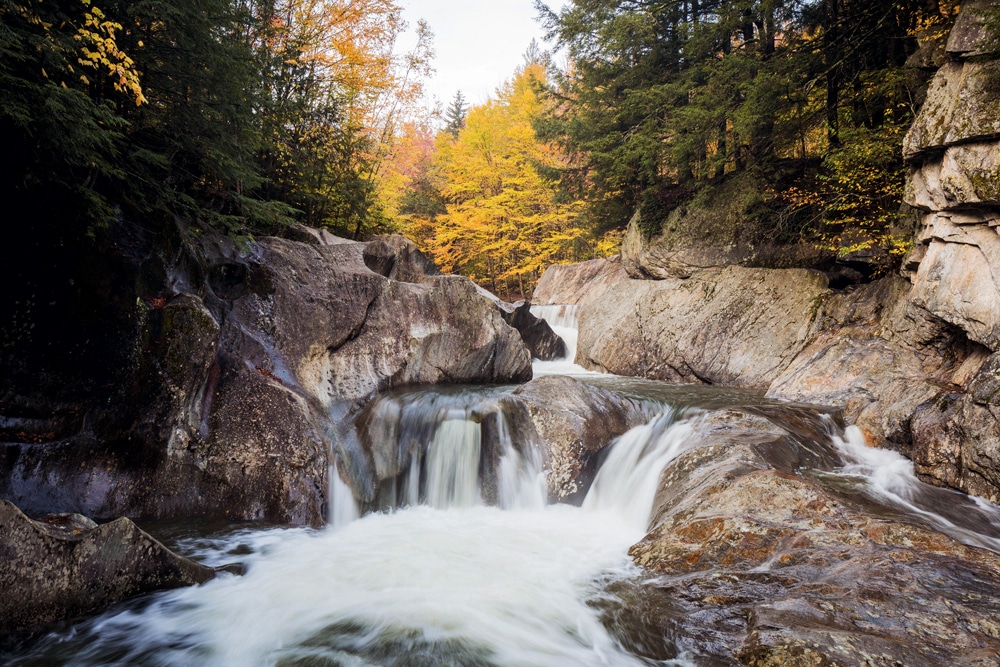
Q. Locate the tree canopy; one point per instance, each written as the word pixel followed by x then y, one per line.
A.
pixel 240 114
pixel 662 99
pixel 476 196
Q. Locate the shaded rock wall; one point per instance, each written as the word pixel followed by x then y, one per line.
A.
pixel 565 284
pixel 738 327
pixel 953 150
pixel 246 366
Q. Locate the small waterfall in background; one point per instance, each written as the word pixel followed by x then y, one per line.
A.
pixel 564 322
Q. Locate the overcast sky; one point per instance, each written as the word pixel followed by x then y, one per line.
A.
pixel 478 43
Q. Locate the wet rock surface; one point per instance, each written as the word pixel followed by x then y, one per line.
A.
pixel 237 367
pixel 753 565
pixel 574 421
pixel 66 565
pixel 877 357
pixel 536 333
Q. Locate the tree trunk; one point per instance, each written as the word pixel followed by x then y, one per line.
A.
pixel 831 52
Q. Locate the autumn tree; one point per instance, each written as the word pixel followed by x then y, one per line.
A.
pixel 241 115
pixel 338 93
pixel 503 222
pixel 408 187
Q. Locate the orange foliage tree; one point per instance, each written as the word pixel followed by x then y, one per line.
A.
pixel 340 89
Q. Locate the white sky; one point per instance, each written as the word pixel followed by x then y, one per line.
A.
pixel 478 43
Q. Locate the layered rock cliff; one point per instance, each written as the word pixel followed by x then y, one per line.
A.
pixel 953 150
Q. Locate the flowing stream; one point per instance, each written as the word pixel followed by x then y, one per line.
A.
pixel 458 568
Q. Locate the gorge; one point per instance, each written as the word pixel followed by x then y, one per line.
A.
pixel 736 464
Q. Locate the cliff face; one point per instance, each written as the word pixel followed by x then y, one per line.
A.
pixel 953 150
pixel 912 359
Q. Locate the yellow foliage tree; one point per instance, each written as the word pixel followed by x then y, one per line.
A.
pixel 504 223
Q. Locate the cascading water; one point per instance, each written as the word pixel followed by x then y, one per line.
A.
pixel 343 507
pixel 634 463
pixel 452 581
pixel 563 320
pixel 889 478
pixel 463 563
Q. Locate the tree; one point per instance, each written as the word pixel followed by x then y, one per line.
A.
pixel 237 114
pixel 65 76
pixel 664 99
pixel 503 222
pixel 455 115
pixel 338 91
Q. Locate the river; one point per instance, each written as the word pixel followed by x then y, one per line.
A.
pixel 457 570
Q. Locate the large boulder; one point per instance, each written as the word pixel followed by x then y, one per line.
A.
pixel 756 565
pixel 956 435
pixel 573 422
pixel 737 326
pixel 397 257
pixel 958 277
pixel 244 366
pixel 877 357
pixel 715 229
pixel 66 566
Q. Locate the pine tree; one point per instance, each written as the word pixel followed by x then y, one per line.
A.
pixel 666 99
pixel 455 115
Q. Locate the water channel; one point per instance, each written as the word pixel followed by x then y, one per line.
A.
pixel 455 569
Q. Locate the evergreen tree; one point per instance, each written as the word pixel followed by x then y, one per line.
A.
pixel 664 99
pixel 455 115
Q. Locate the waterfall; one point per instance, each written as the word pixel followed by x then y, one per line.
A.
pixel 343 507
pixel 564 322
pixel 627 482
pixel 453 465
pixel 521 479
pixel 451 449
pixel 462 562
